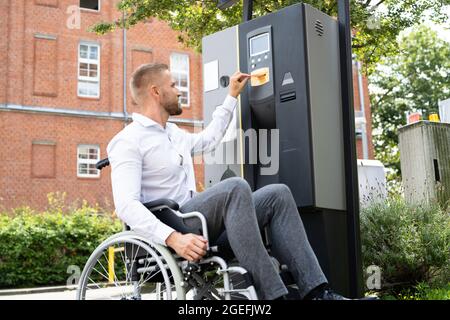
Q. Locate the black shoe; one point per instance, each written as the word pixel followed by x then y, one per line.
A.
pixel 293 293
pixel 328 294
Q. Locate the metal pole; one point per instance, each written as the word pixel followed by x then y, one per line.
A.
pixel 365 143
pixel 351 172
pixel 125 113
pixel 248 10
pixel 111 274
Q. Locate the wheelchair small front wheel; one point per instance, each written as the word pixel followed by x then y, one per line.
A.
pixel 125 268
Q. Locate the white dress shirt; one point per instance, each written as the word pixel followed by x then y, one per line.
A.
pixel 150 162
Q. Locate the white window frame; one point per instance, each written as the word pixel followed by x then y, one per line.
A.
pixel 87 161
pixel 92 10
pixel 185 72
pixel 88 61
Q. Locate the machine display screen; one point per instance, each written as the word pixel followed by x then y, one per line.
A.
pixel 259 44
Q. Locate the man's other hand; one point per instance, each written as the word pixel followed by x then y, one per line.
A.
pixel 190 246
pixel 237 83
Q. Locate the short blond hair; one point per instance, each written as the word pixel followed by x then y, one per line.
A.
pixel 142 77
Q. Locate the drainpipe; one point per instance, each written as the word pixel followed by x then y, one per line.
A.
pixel 125 114
pixel 363 112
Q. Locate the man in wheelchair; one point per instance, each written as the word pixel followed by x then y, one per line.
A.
pixel 151 159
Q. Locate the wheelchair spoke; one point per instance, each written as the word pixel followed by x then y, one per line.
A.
pixel 105 278
pixel 146 265
pixel 125 264
pixel 133 261
pixel 128 275
pixel 127 269
pixel 100 274
pixel 88 288
pixel 160 293
pixel 149 277
pixel 239 283
pixel 117 284
pixel 93 282
pixel 115 277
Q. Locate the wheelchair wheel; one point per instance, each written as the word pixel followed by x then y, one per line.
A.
pixel 126 268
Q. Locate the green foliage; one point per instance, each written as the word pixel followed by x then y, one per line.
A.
pixel 422 291
pixel 414 80
pixel 409 244
pixel 375 37
pixel 37 248
pixel 426 292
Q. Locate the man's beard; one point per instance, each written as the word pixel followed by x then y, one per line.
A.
pixel 173 107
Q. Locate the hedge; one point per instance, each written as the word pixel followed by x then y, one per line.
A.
pixel 411 244
pixel 36 249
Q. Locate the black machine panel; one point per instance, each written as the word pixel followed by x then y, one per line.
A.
pixel 282 102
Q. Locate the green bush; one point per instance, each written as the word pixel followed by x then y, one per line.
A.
pixel 425 292
pixel 422 291
pixel 410 244
pixel 37 248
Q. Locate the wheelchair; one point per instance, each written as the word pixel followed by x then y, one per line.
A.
pixel 127 266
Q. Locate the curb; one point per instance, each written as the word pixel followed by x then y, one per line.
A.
pixel 10 292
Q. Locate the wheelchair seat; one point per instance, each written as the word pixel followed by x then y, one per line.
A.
pixel 161 203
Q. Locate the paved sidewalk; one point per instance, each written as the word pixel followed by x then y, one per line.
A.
pixel 68 293
pixel 44 293
pixel 65 295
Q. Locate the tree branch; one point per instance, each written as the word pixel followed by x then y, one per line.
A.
pixel 381 1
pixel 264 7
pixel 383 97
pixel 365 5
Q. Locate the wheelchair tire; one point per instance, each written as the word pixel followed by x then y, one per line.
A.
pixel 126 267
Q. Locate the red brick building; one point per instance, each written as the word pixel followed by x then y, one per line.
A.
pixel 62 95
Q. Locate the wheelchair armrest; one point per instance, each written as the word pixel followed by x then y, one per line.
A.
pixel 161 204
pixel 174 206
pixel 199 216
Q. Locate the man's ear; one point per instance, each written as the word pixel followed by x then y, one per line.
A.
pixel 153 91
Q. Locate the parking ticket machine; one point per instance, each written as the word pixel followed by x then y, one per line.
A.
pixel 290 113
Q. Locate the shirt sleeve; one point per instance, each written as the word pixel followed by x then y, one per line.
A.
pixel 208 139
pixel 126 175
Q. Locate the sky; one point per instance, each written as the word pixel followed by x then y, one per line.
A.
pixel 443 30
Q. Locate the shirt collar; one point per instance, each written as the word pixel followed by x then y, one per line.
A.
pixel 144 121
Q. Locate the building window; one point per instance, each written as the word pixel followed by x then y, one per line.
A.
pixel 179 67
pixel 87 157
pixel 89 70
pixel 90 4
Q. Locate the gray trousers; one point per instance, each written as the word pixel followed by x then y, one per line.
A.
pixel 231 205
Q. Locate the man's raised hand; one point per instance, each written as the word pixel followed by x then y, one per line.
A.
pixel 237 83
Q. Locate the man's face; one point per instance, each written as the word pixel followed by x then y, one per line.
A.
pixel 170 95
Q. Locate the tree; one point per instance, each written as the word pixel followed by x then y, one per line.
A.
pixel 414 80
pixel 375 35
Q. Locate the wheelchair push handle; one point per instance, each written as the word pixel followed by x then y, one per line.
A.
pixel 102 163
